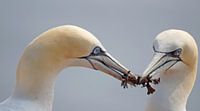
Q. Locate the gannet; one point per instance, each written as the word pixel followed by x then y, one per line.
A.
pixel 175 63
pixel 43 59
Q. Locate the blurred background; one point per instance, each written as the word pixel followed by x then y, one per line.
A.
pixel 126 28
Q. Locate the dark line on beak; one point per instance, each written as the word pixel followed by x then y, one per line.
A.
pixel 173 64
pixel 121 73
pixel 159 60
pixel 91 63
pixel 86 58
pixel 111 68
pixel 163 65
pixel 170 54
pixel 114 62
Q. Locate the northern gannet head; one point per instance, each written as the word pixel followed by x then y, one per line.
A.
pixel 175 63
pixel 173 48
pixel 67 46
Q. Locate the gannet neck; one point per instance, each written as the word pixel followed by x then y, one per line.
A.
pixel 173 92
pixel 35 84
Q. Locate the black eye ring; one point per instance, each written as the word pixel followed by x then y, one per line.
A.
pixel 97 50
pixel 175 53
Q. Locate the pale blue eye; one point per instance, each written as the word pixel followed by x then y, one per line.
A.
pixel 96 50
pixel 177 52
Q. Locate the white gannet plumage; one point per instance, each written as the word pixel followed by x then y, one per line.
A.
pixel 175 62
pixel 46 56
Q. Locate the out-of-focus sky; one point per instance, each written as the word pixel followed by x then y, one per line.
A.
pixel 126 28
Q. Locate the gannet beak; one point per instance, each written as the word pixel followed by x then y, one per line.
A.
pixel 162 61
pixel 107 64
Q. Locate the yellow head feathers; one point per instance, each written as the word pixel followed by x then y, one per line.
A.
pixel 72 40
pixel 66 46
pixel 170 40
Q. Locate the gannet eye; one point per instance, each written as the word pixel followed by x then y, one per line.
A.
pixel 96 51
pixel 176 53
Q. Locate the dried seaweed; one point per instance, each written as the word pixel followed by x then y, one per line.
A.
pixel 137 80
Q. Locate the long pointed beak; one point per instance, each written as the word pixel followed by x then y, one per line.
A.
pixel 107 64
pixel 160 62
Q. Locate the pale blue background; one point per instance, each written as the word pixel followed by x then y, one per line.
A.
pixel 125 27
